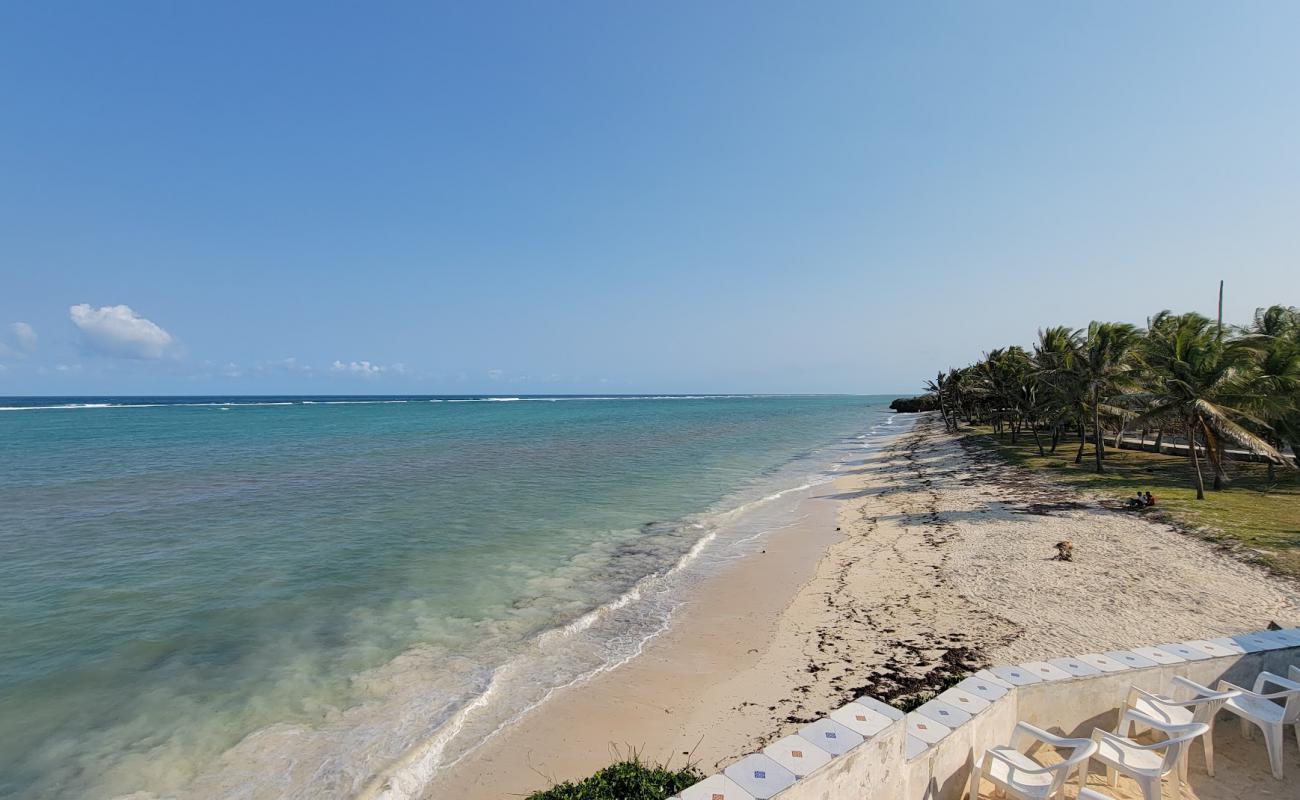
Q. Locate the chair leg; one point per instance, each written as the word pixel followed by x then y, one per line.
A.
pixel 1083 772
pixel 1246 731
pixel 974 783
pixel 1208 739
pixel 1175 784
pixel 1112 775
pixel 1273 740
pixel 1150 788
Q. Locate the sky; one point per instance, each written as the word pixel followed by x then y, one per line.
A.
pixel 522 197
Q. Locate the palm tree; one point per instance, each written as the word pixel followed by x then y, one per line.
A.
pixel 1105 365
pixel 1275 333
pixel 1206 382
pixel 939 388
pixel 1056 363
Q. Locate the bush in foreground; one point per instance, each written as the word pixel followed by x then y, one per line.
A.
pixel 626 780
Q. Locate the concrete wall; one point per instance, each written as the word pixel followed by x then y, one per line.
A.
pixel 881 769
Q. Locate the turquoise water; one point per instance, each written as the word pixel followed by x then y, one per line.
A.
pixel 237 598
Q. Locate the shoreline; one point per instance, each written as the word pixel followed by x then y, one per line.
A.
pixel 924 560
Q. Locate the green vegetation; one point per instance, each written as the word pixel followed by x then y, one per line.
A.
pixel 1186 379
pixel 626 780
pixel 1232 393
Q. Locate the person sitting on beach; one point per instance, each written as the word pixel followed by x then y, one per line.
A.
pixel 1137 502
pixel 1150 500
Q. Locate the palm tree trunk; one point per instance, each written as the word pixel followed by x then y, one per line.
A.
pixel 1033 427
pixel 1098 444
pixel 1056 436
pixel 1119 437
pixel 1078 457
pixel 1196 462
pixel 1160 439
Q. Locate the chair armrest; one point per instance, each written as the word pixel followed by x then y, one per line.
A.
pixel 1196 730
pixel 1133 715
pixel 1274 696
pixel 1266 678
pixel 1293 672
pixel 1023 729
pixel 1017 767
pixel 1203 694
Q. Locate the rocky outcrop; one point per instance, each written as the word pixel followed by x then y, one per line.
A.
pixel 911 405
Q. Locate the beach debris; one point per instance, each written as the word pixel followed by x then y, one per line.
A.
pixel 1064 551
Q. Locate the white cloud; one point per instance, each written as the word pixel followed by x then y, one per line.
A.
pixel 496 374
pixel 24 336
pixel 289 364
pixel 363 368
pixel 232 370
pixel 121 332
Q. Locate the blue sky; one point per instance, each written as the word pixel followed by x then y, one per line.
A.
pixel 517 197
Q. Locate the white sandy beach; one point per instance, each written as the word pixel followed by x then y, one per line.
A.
pixel 923 560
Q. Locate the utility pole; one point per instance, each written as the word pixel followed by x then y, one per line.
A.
pixel 1220 310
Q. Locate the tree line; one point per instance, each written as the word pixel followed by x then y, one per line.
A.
pixel 1184 376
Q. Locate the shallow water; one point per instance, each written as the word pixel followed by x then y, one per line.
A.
pixel 278 597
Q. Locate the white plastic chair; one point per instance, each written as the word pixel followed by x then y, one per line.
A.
pixel 1257 707
pixel 1015 773
pixel 1145 763
pixel 1203 705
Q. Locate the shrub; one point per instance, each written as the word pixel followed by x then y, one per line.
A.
pixel 626 780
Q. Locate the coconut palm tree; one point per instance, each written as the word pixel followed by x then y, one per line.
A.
pixel 1106 361
pixel 1196 376
pixel 1275 333
pixel 1056 363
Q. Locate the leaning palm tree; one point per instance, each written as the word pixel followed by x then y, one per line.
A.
pixel 1105 363
pixel 1206 383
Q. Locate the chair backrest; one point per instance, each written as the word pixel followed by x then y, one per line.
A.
pixel 1207 707
pixel 1291 712
pixel 1061 771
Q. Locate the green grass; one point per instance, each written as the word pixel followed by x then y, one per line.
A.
pixel 626 780
pixel 1257 518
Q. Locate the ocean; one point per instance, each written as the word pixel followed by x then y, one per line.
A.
pixel 247 597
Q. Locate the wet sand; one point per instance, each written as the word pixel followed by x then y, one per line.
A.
pixel 925 559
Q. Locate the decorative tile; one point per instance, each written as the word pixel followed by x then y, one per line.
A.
pixel 859 718
pixel 983 689
pixel 1214 649
pixel 831 736
pixel 716 787
pixel 1159 656
pixel 1101 662
pixel 1075 667
pixel 1184 652
pixel 879 707
pixel 987 675
pixel 760 775
pixel 797 754
pixel 1046 671
pixel 960 698
pixel 941 712
pixel 926 729
pixel 1016 676
pixel 1131 659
